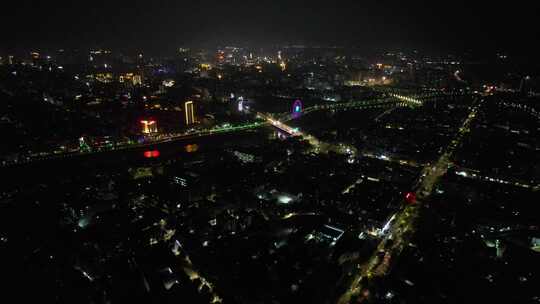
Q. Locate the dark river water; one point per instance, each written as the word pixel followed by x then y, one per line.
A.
pixel 91 164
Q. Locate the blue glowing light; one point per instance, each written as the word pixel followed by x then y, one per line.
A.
pixel 297 109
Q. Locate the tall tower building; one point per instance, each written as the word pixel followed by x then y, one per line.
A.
pixel 149 126
pixel 190 112
pixel 137 80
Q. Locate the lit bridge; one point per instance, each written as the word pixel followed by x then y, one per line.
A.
pixel 381 103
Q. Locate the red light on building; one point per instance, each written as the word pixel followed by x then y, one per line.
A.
pixel 151 154
pixel 410 197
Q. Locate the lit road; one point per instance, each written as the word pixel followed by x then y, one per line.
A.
pixel 403 162
pixel 504 180
pixel 412 100
pixel 192 273
pixel 401 226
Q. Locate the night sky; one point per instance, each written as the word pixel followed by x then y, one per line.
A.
pixel 165 25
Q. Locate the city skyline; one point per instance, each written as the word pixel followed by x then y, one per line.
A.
pixel 239 152
pixel 136 25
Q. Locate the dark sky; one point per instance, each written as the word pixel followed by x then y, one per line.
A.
pixel 163 25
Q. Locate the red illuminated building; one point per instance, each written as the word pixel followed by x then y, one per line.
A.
pixel 410 197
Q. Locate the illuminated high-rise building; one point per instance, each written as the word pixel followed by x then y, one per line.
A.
pixel 36 58
pixel 240 104
pixel 220 57
pixel 149 126
pixel 190 112
pixel 137 80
